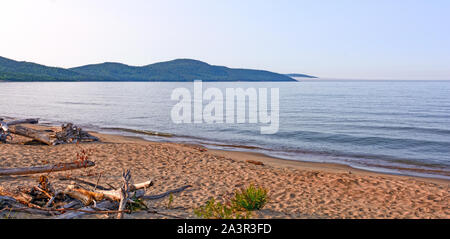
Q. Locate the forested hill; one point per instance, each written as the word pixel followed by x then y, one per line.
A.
pixel 176 70
pixel 11 70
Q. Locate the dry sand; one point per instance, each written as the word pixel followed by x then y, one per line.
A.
pixel 296 189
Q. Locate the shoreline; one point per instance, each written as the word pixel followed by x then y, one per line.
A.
pixel 258 156
pixel 281 162
pixel 316 166
pixel 381 169
pixel 295 189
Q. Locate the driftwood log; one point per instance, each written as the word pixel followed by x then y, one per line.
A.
pixel 24 121
pixel 4 127
pixel 43 137
pixel 69 133
pixel 46 168
pixel 88 197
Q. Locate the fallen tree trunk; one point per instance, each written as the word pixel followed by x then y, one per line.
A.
pixel 69 133
pixel 37 135
pixel 4 127
pixel 46 169
pixel 24 121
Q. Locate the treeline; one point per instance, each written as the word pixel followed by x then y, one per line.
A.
pixel 176 70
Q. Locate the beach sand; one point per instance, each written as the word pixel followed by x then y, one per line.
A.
pixel 296 189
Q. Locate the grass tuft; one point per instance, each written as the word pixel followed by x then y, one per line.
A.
pixel 240 206
pixel 217 210
pixel 251 198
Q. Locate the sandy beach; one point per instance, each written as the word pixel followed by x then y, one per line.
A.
pixel 296 189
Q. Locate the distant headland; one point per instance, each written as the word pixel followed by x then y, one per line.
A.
pixel 300 75
pixel 169 71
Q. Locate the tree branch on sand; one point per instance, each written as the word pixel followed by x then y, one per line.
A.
pixel 46 168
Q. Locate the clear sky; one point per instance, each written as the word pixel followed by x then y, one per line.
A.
pixel 374 39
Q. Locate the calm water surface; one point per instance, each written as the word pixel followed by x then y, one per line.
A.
pixel 387 126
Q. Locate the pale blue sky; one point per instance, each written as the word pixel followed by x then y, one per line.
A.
pixel 399 39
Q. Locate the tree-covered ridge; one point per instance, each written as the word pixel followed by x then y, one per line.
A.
pixel 11 70
pixel 176 70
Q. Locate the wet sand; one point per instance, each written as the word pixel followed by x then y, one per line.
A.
pixel 296 189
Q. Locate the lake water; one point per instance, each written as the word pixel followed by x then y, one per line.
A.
pixel 400 127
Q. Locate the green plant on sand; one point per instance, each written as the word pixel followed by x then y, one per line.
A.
pixel 240 206
pixel 251 198
pixel 217 210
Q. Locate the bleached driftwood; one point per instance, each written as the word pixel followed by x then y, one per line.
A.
pixel 4 131
pixel 46 168
pixel 111 205
pixel 84 196
pixel 4 127
pixel 71 133
pixel 124 192
pixel 88 197
pixel 115 194
pixel 43 137
pixel 43 199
